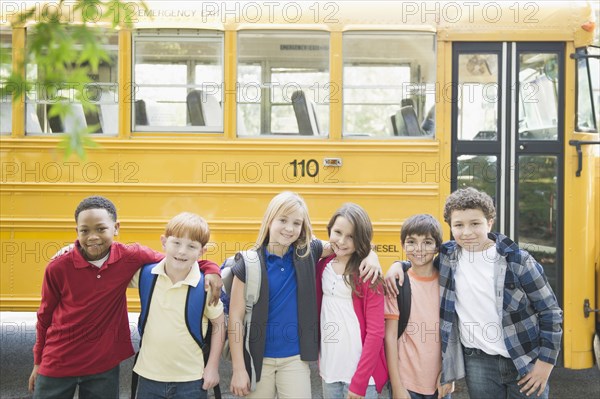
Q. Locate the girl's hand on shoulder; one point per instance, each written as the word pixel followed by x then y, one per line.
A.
pixel 369 268
pixel 394 273
pixel 240 383
pixel 352 395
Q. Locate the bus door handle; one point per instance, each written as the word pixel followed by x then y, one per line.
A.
pixel 332 162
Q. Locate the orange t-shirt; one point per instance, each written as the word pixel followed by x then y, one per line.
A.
pixel 419 348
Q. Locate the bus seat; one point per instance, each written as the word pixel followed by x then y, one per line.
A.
pixel 109 113
pixel 306 114
pixel 428 125
pixel 141 117
pixel 204 109
pixel 32 121
pixel 407 123
pixel 75 120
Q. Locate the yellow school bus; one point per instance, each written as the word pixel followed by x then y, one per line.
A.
pixel 215 107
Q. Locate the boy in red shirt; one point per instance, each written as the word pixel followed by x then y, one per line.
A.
pixel 83 328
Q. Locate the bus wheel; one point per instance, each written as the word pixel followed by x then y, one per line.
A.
pixel 597 349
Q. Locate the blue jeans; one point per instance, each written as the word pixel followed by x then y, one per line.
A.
pixel 339 390
pixel 493 377
pixel 95 386
pixel 150 389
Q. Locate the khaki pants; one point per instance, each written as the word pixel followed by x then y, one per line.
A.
pixel 287 377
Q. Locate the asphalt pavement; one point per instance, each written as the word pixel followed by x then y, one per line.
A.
pixel 16 359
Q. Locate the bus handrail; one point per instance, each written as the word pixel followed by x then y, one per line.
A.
pixel 578 144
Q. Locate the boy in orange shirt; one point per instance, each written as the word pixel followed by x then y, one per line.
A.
pixel 415 358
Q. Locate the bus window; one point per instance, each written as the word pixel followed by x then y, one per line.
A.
pixel 587 70
pixel 178 79
pixel 389 84
pixel 283 83
pixel 101 93
pixel 5 71
pixel 477 97
pixel 538 96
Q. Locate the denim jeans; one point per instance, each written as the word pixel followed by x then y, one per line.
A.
pixel 493 377
pixel 150 389
pixel 339 390
pixel 96 386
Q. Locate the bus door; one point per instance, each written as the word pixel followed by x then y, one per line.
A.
pixel 507 140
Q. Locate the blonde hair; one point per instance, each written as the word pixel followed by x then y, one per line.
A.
pixel 188 225
pixel 286 203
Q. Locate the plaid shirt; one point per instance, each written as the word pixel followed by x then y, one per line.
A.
pixel 531 317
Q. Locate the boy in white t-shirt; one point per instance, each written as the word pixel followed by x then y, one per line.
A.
pixel 415 358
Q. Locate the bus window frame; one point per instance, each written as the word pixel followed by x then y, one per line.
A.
pixel 182 35
pixel 582 55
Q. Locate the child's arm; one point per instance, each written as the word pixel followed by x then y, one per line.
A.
pixel 369 268
pixel 395 272
pixel 240 381
pixel 49 302
pixel 391 354
pixel 375 334
pixel 444 389
pixel 540 294
pixel 211 368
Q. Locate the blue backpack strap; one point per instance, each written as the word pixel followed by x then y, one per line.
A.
pixel 195 303
pixel 146 284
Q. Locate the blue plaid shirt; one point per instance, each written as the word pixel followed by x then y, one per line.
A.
pixel 531 317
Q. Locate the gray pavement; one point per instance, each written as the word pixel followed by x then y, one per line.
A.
pixel 18 336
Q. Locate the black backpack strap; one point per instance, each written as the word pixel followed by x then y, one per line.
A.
pixel 404 300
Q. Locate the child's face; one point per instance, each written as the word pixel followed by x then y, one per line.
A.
pixel 420 250
pixel 342 237
pixel 285 229
pixel 470 228
pixel 95 232
pixel 181 253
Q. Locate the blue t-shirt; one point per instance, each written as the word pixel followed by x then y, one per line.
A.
pixel 282 325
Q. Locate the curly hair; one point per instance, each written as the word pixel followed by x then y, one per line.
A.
pixel 97 202
pixel 469 198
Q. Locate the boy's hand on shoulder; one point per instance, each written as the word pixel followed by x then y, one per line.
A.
pixel 394 273
pixel 211 378
pixel 536 380
pixel 213 283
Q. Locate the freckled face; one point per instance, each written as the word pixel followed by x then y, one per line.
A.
pixel 95 232
pixel 181 253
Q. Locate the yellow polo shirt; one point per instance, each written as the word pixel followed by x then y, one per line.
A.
pixel 169 353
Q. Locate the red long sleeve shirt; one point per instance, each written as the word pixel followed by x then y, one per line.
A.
pixel 82 325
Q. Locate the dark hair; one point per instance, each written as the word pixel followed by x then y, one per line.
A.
pixel 469 198
pixel 96 202
pixel 422 225
pixel 362 236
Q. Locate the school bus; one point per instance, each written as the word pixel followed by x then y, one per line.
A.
pixel 215 107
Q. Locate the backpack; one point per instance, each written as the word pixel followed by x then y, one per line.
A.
pixel 404 299
pixel 251 293
pixel 195 303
